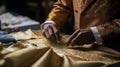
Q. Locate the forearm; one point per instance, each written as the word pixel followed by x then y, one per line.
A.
pixel 61 12
pixel 110 32
pixel 109 28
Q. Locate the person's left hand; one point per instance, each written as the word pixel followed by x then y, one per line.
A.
pixel 81 37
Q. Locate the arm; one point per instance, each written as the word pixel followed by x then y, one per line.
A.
pixel 107 34
pixel 110 32
pixel 61 12
pixel 56 18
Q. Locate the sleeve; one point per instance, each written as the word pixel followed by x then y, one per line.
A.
pixel 97 35
pixel 110 29
pixel 61 12
pixel 46 22
pixel 110 32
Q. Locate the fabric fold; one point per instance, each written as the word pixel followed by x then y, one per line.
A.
pixel 49 59
pixel 24 57
pixel 38 52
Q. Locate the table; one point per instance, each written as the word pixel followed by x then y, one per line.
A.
pixel 35 51
pixel 14 20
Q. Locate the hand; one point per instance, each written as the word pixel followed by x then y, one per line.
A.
pixel 81 37
pixel 51 32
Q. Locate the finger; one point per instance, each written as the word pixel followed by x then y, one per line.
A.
pixel 51 34
pixel 45 32
pixel 76 39
pixel 72 36
pixel 54 29
pixel 56 32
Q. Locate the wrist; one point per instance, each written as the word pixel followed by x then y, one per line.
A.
pixel 46 22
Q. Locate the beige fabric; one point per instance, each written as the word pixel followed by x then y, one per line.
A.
pixel 38 52
pixel 24 35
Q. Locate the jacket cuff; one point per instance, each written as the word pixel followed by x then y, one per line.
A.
pixel 46 22
pixel 97 35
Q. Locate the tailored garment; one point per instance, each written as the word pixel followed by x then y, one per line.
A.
pixel 104 14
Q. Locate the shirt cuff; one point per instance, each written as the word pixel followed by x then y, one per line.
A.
pixel 47 22
pixel 97 35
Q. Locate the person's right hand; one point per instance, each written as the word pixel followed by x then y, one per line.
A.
pixel 51 32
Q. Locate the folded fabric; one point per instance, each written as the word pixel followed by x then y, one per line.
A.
pixel 38 52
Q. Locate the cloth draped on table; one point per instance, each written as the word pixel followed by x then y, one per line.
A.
pixel 34 50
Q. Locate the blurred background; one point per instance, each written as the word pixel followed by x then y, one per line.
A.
pixel 37 10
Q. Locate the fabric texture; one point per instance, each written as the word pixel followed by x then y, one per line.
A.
pixel 38 52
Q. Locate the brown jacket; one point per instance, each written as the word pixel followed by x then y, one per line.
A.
pixel 104 14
